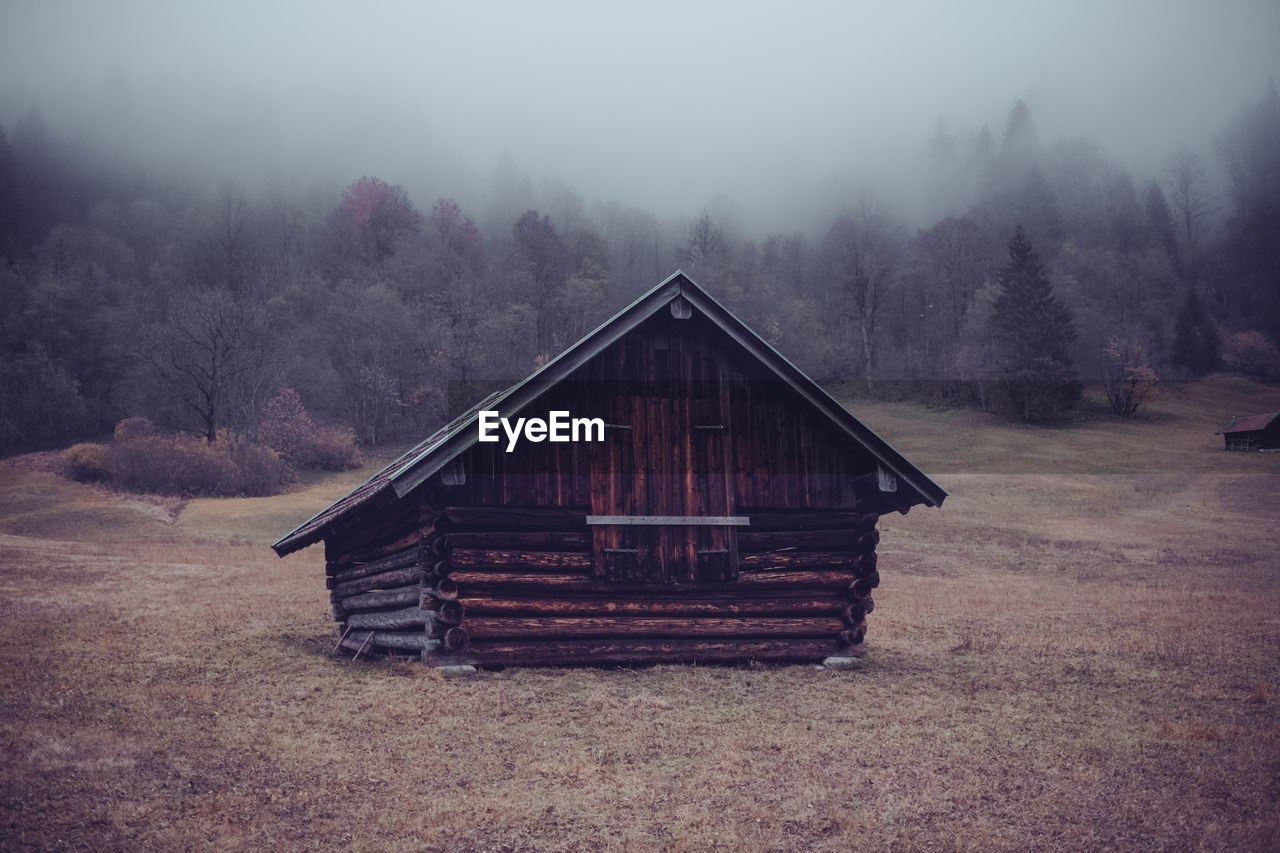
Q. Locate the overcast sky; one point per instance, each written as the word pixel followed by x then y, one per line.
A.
pixel 661 105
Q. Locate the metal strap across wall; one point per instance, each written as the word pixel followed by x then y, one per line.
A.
pixel 673 520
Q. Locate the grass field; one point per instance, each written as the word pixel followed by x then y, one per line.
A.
pixel 1080 651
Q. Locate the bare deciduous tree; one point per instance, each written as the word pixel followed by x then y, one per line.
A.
pixel 1127 377
pixel 1185 177
pixel 862 251
pixel 206 355
pixel 955 249
pixel 704 243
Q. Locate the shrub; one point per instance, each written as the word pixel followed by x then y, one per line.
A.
pixel 143 459
pixel 170 465
pixel 189 466
pixel 260 470
pixel 285 426
pixel 334 449
pixel 1253 355
pixel 202 468
pixel 139 464
pixel 135 427
pixel 86 462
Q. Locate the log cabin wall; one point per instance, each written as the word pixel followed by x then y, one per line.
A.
pixel 502 558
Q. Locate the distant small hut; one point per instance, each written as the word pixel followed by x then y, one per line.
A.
pixel 717 505
pixel 1252 432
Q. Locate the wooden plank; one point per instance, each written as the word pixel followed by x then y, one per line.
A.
pixel 385 580
pixel 778 603
pixel 416 640
pixel 798 559
pixel 724 496
pixel 553 627
pixel 382 599
pixel 839 539
pixel 408 617
pixel 398 560
pixel 641 500
pixel 514 518
pixel 475 558
pixel 600 485
pixel 506 652
pixel 563 584
pixel 693 538
pixel 764 519
pixel 401 540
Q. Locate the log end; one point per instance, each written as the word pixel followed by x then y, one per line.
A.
pixel 853 636
pixel 457 639
pixel 445 590
pixel 854 614
pixel 449 612
pixel 863 586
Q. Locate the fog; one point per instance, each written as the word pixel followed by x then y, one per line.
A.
pixel 774 114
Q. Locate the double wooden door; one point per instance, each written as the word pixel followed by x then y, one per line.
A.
pixel 662 500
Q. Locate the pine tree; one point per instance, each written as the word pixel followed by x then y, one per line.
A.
pixel 1031 331
pixel 1019 132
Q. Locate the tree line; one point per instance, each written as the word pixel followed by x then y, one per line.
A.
pixel 128 294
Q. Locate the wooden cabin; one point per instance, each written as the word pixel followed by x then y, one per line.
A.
pixel 725 509
pixel 1252 432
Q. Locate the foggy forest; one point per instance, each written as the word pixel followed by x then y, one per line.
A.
pixel 189 233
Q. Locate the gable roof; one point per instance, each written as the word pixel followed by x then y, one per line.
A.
pixel 1247 423
pixel 420 462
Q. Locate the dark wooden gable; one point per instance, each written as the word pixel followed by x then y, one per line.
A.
pixel 697 437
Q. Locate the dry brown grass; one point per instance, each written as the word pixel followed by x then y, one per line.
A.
pixel 1079 652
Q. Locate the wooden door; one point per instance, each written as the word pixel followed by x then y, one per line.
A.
pixel 661 493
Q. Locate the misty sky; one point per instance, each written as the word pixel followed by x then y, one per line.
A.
pixel 654 104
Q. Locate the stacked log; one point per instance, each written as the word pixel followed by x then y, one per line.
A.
pixel 386 583
pixel 500 586
pixel 531 597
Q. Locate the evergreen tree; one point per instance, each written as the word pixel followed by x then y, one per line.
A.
pixel 1031 331
pixel 1020 137
pixel 1196 344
